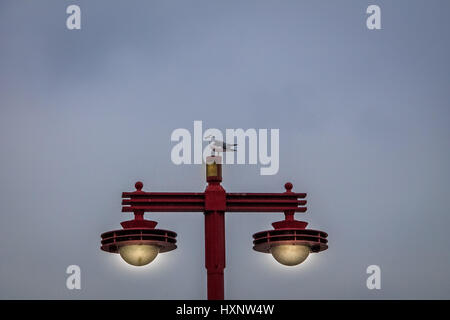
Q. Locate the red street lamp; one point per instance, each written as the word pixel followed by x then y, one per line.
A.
pixel 139 242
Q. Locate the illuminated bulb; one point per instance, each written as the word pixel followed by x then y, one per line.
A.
pixel 289 254
pixel 138 254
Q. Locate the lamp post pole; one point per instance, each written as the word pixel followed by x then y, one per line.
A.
pixel 215 253
pixel 215 206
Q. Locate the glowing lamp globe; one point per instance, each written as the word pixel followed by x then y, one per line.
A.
pixel 290 255
pixel 138 254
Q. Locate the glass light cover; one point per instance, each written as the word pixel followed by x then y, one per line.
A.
pixel 290 255
pixel 138 254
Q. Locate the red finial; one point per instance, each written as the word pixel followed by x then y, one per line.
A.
pixel 288 186
pixel 139 185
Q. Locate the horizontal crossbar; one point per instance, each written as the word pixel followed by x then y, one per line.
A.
pixel 195 202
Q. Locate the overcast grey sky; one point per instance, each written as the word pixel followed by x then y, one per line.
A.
pixel 364 129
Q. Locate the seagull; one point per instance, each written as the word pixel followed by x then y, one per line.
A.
pixel 220 146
